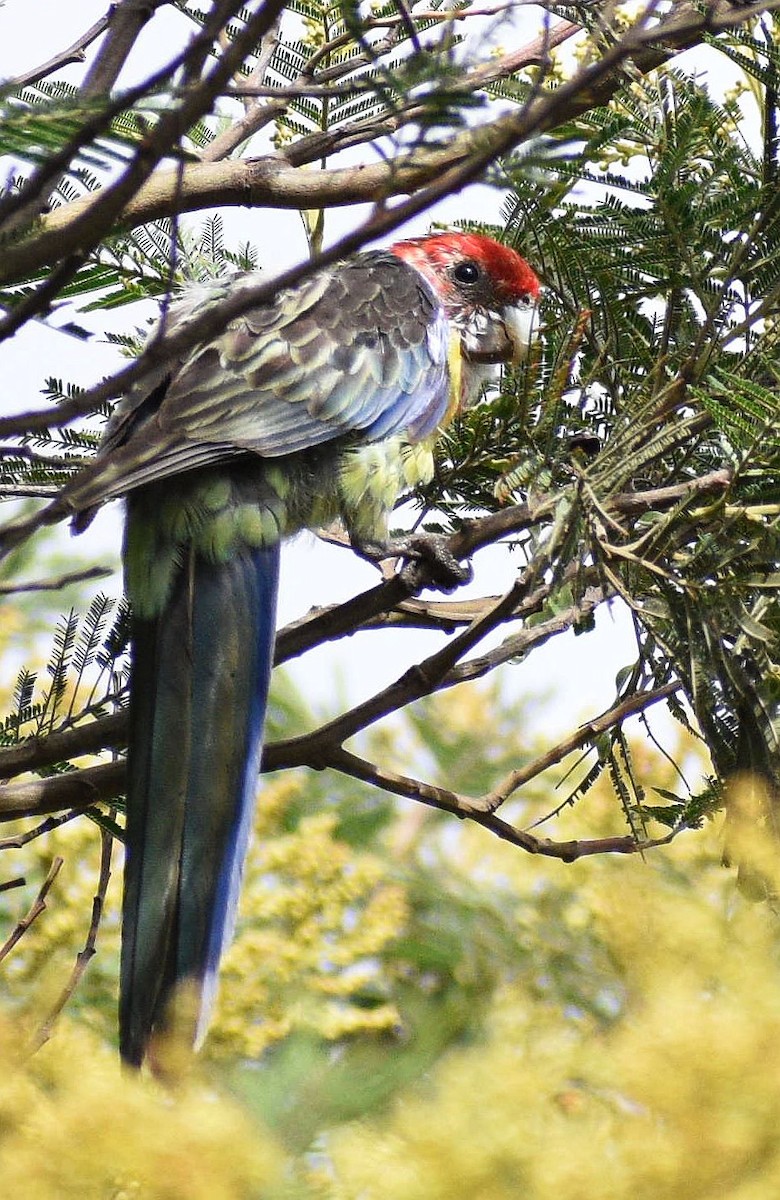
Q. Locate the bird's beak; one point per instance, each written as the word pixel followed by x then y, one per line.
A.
pixel 522 324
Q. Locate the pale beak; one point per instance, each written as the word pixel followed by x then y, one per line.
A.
pixel 522 324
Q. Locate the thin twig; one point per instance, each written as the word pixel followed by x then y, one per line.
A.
pixel 73 54
pixel 256 116
pixel 48 826
pixel 518 645
pixel 8 885
pixel 581 737
pixel 43 1033
pixel 466 808
pixel 24 491
pixel 59 582
pixel 36 908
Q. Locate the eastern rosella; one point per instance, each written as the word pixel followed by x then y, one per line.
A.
pixel 324 403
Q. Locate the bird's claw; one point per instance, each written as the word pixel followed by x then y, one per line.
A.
pixel 429 560
pixel 431 563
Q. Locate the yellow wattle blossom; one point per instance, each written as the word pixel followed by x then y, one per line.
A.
pixel 72 1124
pixel 679 1095
pixel 314 919
pixel 473 1022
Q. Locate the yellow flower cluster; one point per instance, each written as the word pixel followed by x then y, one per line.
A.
pixel 314 917
pixel 41 964
pixel 679 1095
pixel 72 1125
pixel 615 1021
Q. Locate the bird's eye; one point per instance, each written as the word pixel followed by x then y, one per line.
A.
pixel 466 272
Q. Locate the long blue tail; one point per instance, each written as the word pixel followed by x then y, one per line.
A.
pixel 201 671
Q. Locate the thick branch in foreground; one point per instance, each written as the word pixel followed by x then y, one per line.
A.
pixel 88 228
pixel 52 794
pixel 274 182
pixel 390 601
pixel 75 789
pixel 125 22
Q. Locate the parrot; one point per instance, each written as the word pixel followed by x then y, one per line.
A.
pixel 324 403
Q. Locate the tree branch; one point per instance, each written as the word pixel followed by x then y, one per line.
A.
pixel 83 958
pixel 125 22
pixel 256 116
pixel 92 737
pixel 586 733
pixel 389 602
pixel 480 809
pixel 73 54
pixel 75 789
pixel 466 808
pixel 37 907
pixel 275 181
pixel 57 584
pixel 89 226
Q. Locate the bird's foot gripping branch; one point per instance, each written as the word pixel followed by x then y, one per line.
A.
pixel 429 560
